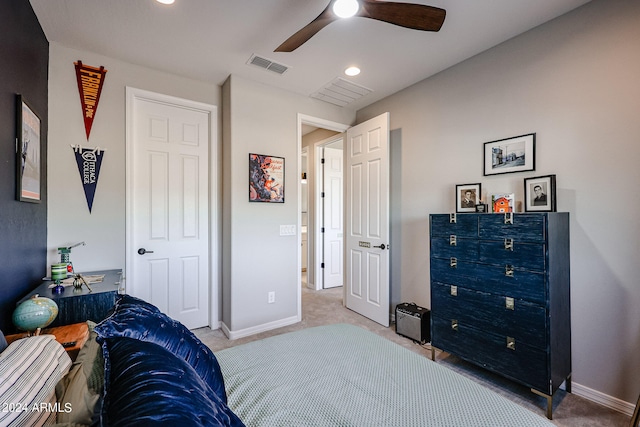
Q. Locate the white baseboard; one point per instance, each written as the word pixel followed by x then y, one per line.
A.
pixel 234 335
pixel 603 399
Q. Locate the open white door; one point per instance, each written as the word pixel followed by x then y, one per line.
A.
pixel 168 205
pixel 333 223
pixel 367 219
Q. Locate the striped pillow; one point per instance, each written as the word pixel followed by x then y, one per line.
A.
pixel 30 368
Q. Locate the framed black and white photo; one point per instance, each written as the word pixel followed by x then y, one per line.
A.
pixel 510 155
pixel 467 197
pixel 540 194
pixel 28 167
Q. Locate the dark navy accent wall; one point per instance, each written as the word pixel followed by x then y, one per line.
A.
pixel 24 63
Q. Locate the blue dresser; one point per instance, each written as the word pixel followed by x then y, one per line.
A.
pixel 500 294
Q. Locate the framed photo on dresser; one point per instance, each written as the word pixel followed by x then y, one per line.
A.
pixel 540 194
pixel 467 197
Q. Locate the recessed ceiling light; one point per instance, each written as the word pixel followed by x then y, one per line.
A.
pixel 345 8
pixel 352 71
pixel 166 1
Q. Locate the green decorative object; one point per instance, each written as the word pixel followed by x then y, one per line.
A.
pixel 36 312
pixel 58 273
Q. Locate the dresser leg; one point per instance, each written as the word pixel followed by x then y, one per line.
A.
pixel 433 354
pixel 549 402
pixel 567 384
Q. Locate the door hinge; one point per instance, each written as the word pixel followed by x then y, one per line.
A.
pixel 322 194
pixel 322 265
pixel 322 229
pixel 321 160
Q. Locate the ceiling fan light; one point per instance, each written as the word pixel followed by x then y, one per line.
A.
pixel 346 8
pixel 352 71
pixel 166 1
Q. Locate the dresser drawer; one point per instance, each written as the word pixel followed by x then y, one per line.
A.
pixel 465 225
pixel 525 227
pixel 529 256
pixel 455 247
pixel 517 361
pixel 522 284
pixel 522 320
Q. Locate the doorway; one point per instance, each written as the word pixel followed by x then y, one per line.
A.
pixel 312 131
pixel 366 176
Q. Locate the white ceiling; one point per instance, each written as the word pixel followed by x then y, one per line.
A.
pixel 208 40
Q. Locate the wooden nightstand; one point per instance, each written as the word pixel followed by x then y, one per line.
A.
pixel 78 333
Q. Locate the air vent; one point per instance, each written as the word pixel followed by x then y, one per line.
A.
pixel 267 64
pixel 341 92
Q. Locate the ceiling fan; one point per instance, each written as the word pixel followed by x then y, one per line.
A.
pixel 409 15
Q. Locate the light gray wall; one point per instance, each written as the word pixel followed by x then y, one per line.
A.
pixel 575 82
pixel 256 259
pixel 69 220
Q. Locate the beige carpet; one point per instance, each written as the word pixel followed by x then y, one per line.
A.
pixel 325 307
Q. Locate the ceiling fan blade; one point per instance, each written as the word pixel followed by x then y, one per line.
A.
pixel 414 16
pixel 299 38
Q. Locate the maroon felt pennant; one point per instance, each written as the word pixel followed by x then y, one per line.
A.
pixel 90 82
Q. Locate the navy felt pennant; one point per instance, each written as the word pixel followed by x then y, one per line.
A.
pixel 89 161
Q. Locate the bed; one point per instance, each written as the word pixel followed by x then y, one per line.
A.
pixel 140 367
pixel 343 375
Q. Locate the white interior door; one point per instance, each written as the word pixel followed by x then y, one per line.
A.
pixel 333 222
pixel 367 219
pixel 168 237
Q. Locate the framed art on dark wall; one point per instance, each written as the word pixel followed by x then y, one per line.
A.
pixel 540 194
pixel 467 197
pixel 266 178
pixel 509 155
pixel 28 166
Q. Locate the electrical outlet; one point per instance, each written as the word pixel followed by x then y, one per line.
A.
pixel 271 298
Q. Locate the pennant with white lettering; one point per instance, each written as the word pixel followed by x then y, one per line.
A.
pixel 90 81
pixel 89 161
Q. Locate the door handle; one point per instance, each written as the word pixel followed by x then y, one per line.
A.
pixel 382 246
pixel 143 251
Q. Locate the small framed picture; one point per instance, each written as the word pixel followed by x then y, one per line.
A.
pixel 540 194
pixel 517 154
pixel 467 197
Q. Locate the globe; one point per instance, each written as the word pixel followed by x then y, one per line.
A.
pixel 36 312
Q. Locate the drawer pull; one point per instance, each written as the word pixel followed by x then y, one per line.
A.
pixel 454 324
pixel 508 270
pixel 453 262
pixel 452 218
pixel 454 290
pixel 453 241
pixel 508 218
pixel 508 244
pixel 509 303
pixel 511 343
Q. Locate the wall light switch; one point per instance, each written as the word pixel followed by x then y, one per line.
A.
pixel 287 230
